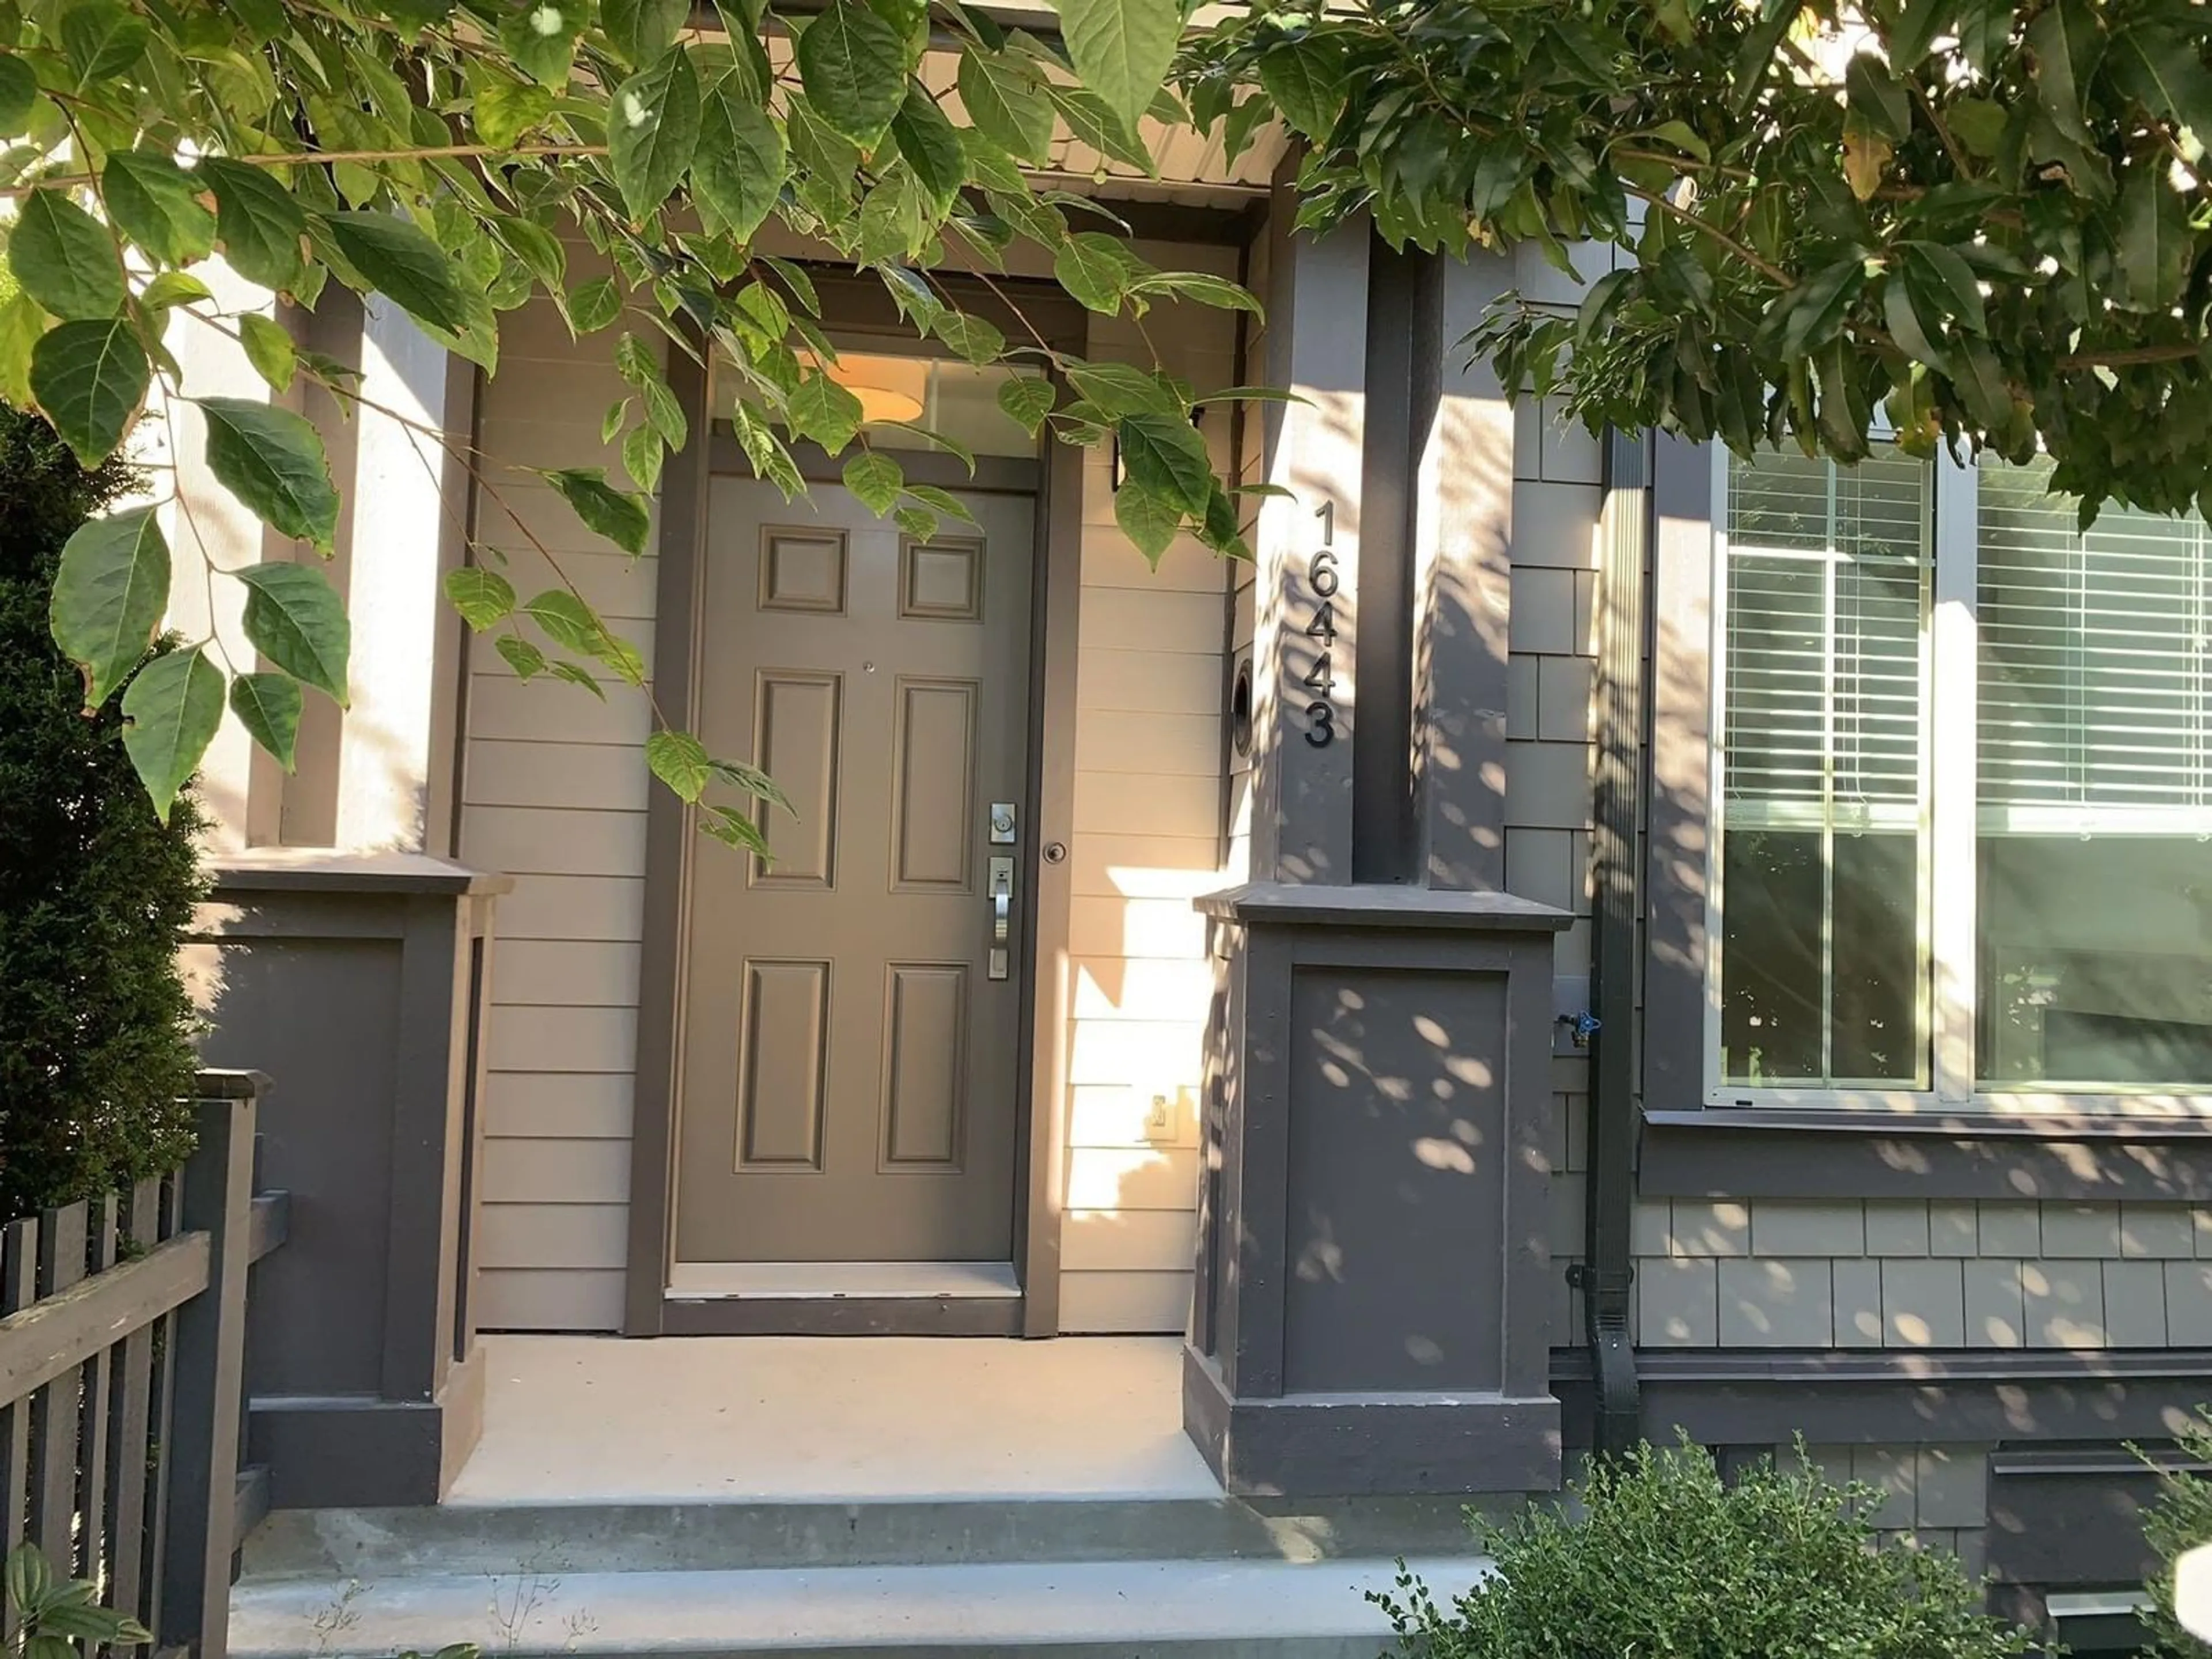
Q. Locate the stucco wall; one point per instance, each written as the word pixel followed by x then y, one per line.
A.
pixel 553 792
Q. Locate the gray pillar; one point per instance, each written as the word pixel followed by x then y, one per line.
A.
pixel 359 985
pixel 1374 1283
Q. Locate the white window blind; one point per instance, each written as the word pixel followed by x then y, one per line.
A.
pixel 1827 590
pixel 2092 681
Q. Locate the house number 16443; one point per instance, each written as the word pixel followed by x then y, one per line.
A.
pixel 1321 581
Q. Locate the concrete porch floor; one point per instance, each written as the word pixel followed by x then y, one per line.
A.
pixel 686 1419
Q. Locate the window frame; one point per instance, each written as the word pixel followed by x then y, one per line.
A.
pixel 1682 1007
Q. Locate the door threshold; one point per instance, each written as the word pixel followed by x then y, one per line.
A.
pixel 870 1281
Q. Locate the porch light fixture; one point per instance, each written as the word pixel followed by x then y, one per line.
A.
pixel 879 400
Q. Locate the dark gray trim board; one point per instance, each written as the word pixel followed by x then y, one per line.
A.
pixel 1865 1155
pixel 346 1452
pixel 1754 1397
pixel 2073 1516
pixel 286 870
pixel 1320 1445
pixel 842 1315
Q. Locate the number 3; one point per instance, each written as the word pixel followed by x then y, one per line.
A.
pixel 1324 724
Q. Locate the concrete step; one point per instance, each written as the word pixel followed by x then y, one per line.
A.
pixel 508 1539
pixel 1133 1609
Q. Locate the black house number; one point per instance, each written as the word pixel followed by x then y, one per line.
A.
pixel 1321 580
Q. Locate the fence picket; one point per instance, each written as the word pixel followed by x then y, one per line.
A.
pixel 93 1554
pixel 133 1442
pixel 19 1288
pixel 63 1238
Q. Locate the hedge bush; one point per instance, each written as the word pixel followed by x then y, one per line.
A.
pixel 1655 1557
pixel 2180 1520
pixel 95 1026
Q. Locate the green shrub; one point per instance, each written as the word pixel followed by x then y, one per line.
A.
pixel 95 1027
pixel 2179 1520
pixel 1664 1561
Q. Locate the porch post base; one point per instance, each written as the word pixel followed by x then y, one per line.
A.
pixel 1362 1445
pixel 354 1451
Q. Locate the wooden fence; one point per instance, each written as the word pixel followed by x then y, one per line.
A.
pixel 122 1371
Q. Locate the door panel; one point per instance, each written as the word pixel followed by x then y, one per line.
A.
pixel 846 1090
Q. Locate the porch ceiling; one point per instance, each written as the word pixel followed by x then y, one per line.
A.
pixel 682 1419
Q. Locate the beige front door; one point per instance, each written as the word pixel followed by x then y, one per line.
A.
pixel 848 1083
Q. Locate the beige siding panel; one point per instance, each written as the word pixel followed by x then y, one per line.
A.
pixel 1120 1115
pixel 1136 1051
pixel 1108 988
pixel 1148 682
pixel 611 777
pixel 574 907
pixel 553 1235
pixel 1137 619
pixel 1188 567
pixel 1146 866
pixel 1110 740
pixel 1154 1241
pixel 578 975
pixel 549 710
pixel 484 658
pixel 1135 927
pixel 1162 806
pixel 540 1299
pixel 551 442
pixel 1103 1304
pixel 543 840
pixel 558 1105
pixel 556 1171
pixel 1158 1178
pixel 563 1040
pixel 619 588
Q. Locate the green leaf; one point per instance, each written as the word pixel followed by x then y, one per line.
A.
pixel 623 519
pixel 405 265
pixel 643 454
pixel 296 618
pixel 109 593
pixel 930 146
pixel 102 38
pixel 156 204
pixel 272 460
pixel 174 288
pixel 268 705
pixel 504 110
pixel 825 412
pixel 577 674
pixel 1164 454
pixel 523 658
pixel 1148 517
pixel 1216 291
pixel 19 91
pixel 1121 48
pixel 537 248
pixel 173 705
pixel 1094 122
pixel 740 163
pixel 1005 104
pixel 64 258
pixel 28 1576
pixel 796 279
pixel 594 305
pixel 2154 241
pixel 89 379
pixel 680 761
pixel 976 341
pixel 540 36
pixel 643 29
pixel 853 66
pixel 1308 81
pixel 1944 272
pixel 943 501
pixel 1027 399
pixel 258 223
pixel 270 348
pixel 875 480
pixel 1119 389
pixel 575 626
pixel 1878 97
pixel 918 522
pixel 1094 270
pixel 2066 43
pixel 22 326
pixel 484 598
pixel 733 828
pixel 653 132
pixel 2164 75
pixel 1914 336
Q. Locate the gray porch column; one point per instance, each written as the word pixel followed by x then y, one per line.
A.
pixel 359 983
pixel 1373 1293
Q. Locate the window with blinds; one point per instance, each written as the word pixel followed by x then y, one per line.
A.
pixel 1822 883
pixel 2095 699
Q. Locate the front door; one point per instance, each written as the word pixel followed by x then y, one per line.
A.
pixel 850 1026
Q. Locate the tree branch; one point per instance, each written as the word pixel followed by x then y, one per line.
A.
pixel 312 157
pixel 1773 273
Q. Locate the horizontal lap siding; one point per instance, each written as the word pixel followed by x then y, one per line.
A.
pixel 555 793
pixel 1149 805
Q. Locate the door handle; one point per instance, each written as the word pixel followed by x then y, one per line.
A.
pixel 1000 890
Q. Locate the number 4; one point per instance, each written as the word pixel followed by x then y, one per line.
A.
pixel 1323 625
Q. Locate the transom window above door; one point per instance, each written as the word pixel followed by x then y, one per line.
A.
pixel 1962 848
pixel 903 400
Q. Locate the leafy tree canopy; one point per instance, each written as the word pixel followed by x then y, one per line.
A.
pixel 438 152
pixel 1973 222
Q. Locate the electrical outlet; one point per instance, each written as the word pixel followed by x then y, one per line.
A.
pixel 1159 1122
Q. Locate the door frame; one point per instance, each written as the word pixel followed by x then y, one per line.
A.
pixel 860 309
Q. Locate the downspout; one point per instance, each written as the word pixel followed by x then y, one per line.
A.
pixel 1607 1275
